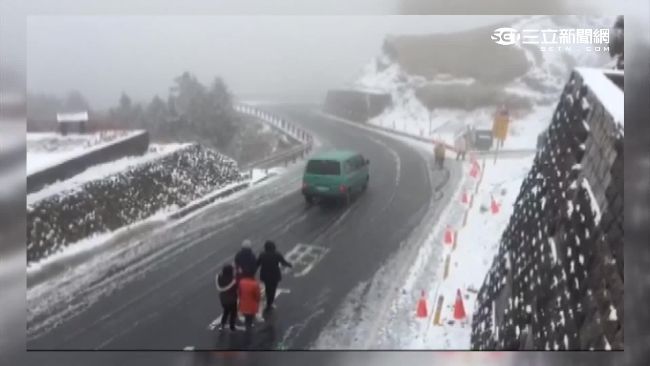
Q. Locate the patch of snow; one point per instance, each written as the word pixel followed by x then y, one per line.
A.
pixel 100 171
pixel 609 95
pixel 90 243
pixel 551 243
pixel 595 209
pixel 47 149
pixel 613 314
pixel 608 347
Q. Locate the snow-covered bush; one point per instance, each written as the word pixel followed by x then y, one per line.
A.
pixel 121 199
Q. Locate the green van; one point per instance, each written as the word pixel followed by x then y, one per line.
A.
pixel 335 174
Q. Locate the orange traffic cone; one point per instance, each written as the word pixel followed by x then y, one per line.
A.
pixel 449 236
pixel 494 206
pixel 473 172
pixel 459 308
pixel 465 199
pixel 422 307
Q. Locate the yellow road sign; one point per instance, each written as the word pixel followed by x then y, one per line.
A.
pixel 500 126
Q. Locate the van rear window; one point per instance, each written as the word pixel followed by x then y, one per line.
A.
pixel 324 167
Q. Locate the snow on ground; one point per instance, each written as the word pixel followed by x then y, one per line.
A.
pixel 477 243
pixel 258 177
pixel 607 92
pixel 94 277
pixel 100 171
pixel 92 243
pixel 45 149
pixel 549 72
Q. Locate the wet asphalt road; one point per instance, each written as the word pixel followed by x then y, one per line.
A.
pixel 170 303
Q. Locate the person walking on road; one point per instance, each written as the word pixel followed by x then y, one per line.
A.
pixel 249 299
pixel 439 153
pixel 269 262
pixel 245 261
pixel 227 287
pixel 461 146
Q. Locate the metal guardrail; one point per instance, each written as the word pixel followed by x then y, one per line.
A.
pixel 204 202
pixel 293 154
pixel 304 138
pixel 502 153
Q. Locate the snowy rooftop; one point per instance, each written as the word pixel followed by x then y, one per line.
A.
pixel 45 150
pixel 72 117
pixel 609 94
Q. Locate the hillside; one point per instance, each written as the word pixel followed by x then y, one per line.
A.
pixel 441 83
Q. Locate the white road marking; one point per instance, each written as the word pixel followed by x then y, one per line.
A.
pixel 188 348
pixel 304 258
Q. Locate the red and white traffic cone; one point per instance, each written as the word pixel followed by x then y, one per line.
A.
pixel 422 307
pixel 465 199
pixel 449 236
pixel 494 206
pixel 459 307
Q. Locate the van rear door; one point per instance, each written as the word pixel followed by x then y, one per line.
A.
pixel 323 175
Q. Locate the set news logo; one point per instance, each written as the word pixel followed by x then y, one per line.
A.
pixel 506 36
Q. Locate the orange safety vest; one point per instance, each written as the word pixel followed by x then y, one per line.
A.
pixel 249 296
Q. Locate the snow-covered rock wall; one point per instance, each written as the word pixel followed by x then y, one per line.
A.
pixel 557 280
pixel 120 199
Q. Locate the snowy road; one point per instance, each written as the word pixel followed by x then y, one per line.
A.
pixel 157 292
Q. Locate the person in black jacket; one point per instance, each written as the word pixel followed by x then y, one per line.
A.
pixel 227 287
pixel 245 261
pixel 269 263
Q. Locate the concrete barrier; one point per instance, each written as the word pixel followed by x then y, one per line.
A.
pixel 136 144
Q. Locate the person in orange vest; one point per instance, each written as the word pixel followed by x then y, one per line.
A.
pixel 249 298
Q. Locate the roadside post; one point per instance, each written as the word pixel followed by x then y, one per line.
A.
pixel 500 129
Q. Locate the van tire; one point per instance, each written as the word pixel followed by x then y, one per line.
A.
pixel 347 198
pixel 365 184
pixel 309 200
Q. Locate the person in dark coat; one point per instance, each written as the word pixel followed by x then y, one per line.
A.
pixel 245 261
pixel 439 153
pixel 269 263
pixel 226 285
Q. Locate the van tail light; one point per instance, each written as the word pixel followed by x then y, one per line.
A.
pixel 343 188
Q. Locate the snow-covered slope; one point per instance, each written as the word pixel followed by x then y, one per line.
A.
pixel 531 96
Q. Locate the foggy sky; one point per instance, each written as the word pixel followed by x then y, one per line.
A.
pixel 292 57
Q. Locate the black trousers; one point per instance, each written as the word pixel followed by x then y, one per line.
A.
pixel 269 289
pixel 229 315
pixel 249 320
